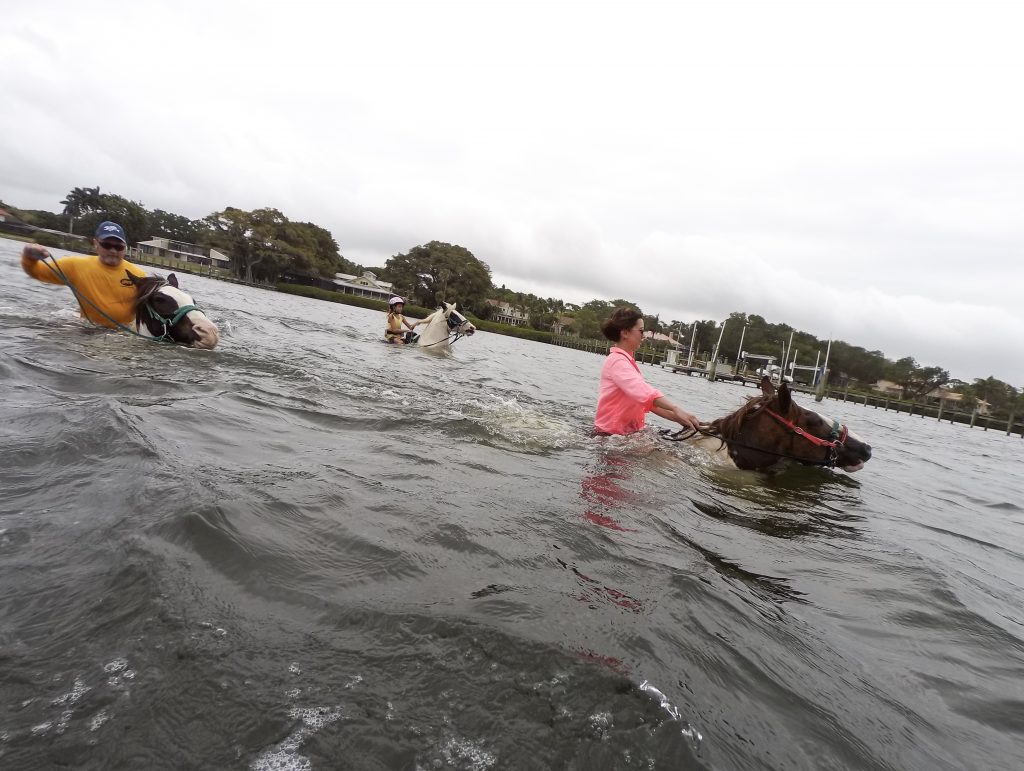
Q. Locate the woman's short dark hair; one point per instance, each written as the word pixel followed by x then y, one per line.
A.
pixel 620 320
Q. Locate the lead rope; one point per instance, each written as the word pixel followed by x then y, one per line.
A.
pixel 450 338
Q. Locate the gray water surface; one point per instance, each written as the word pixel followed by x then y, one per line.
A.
pixel 310 550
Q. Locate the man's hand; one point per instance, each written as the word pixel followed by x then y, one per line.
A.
pixel 35 252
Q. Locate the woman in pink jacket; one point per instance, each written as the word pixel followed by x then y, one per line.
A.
pixel 625 398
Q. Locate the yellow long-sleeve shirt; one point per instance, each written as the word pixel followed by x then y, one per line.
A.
pixel 100 283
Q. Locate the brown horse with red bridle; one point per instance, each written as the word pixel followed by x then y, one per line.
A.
pixel 771 429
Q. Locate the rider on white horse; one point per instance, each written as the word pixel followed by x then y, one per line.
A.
pixel 393 332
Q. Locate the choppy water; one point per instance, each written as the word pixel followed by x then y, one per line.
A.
pixel 309 550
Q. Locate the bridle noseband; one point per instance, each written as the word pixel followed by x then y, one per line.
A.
pixel 168 322
pixel 837 438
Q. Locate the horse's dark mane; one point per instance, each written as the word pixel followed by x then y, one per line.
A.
pixel 729 427
pixel 145 287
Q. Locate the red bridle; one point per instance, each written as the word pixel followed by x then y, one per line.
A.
pixel 838 436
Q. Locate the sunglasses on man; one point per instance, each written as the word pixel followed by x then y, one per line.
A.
pixel 113 246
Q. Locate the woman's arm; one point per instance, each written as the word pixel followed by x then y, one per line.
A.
pixel 626 377
pixel 663 408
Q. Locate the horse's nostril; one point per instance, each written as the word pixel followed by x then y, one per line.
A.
pixel 867 452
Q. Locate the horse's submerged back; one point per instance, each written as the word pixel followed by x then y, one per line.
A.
pixel 771 430
pixel 163 311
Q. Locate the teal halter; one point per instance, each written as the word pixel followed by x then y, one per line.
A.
pixel 170 321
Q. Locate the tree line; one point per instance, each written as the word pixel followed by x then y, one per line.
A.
pixel 261 244
pixel 265 245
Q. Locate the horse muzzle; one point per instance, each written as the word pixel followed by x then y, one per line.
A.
pixel 204 334
pixel 853 456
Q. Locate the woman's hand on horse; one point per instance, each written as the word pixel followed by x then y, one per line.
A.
pixel 685 419
pixel 35 252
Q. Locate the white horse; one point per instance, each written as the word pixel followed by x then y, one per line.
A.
pixel 442 327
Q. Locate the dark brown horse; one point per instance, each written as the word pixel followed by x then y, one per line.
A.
pixel 771 429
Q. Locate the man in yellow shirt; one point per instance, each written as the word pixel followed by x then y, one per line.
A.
pixel 97 278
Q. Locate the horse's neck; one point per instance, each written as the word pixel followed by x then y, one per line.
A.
pixel 435 328
pixel 143 320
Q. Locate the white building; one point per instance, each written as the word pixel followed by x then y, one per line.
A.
pixel 366 285
pixel 179 250
pixel 508 314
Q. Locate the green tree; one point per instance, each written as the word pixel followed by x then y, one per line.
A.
pixel 324 252
pixel 231 231
pixel 587 322
pixel 174 226
pixel 706 337
pixel 131 215
pixel 82 200
pixel 915 380
pixel 263 244
pixel 437 271
pixel 1001 397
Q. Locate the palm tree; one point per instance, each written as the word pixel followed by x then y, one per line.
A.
pixel 81 200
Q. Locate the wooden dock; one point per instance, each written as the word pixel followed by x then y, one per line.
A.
pixel 703 372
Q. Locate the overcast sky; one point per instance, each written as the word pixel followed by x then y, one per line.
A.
pixel 854 169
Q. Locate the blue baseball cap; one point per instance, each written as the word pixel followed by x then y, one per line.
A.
pixel 110 229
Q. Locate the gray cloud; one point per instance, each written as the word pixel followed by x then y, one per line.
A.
pixel 854 175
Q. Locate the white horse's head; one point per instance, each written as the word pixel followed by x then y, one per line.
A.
pixel 457 323
pixel 442 326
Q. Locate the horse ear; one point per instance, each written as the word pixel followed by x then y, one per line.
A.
pixel 172 280
pixel 766 387
pixel 132 278
pixel 785 398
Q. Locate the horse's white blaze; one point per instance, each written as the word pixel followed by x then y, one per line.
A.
pixel 176 294
pixel 830 421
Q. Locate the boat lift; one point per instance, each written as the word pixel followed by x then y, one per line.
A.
pixel 769 367
pixel 817 373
